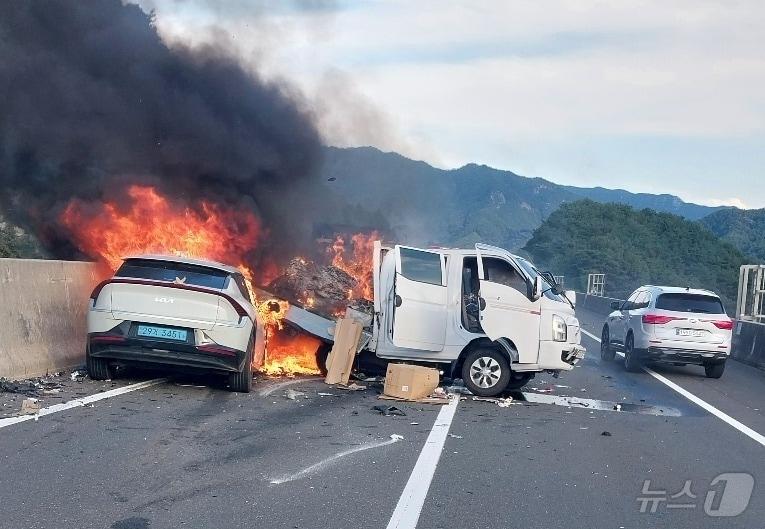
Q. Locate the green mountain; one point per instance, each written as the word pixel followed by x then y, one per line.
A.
pixel 427 205
pixel 634 248
pixel 745 229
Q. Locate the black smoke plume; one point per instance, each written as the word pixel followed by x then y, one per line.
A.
pixel 91 100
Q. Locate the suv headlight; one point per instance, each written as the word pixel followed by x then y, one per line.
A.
pixel 559 329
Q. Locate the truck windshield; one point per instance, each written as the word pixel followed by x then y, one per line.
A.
pixel 547 288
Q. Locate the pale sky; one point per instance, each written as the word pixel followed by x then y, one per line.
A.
pixel 658 97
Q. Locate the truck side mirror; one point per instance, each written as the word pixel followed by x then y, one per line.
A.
pixel 536 292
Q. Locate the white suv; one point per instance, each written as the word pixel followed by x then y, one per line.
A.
pixel 669 324
pixel 189 314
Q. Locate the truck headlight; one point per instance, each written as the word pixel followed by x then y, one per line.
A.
pixel 559 329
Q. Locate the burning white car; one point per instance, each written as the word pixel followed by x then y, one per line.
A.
pixel 175 312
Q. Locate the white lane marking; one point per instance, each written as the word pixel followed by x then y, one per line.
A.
pixel 78 403
pixel 407 512
pixel 265 392
pixel 324 462
pixel 696 400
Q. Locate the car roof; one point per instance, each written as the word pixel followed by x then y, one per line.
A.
pixel 186 260
pixel 678 290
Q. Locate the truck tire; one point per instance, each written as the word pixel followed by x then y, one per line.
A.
pixel 607 351
pixel 518 380
pixel 631 357
pixel 714 370
pixel 98 368
pixel 486 372
pixel 241 382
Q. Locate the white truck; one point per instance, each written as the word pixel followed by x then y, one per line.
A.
pixel 485 315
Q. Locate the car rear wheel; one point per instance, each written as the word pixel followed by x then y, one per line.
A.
pixel 241 382
pixel 486 372
pixel 606 351
pixel 98 368
pixel 714 370
pixel 631 359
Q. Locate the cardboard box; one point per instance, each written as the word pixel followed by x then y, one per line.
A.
pixel 410 382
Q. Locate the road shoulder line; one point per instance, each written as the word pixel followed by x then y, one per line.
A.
pixel 77 403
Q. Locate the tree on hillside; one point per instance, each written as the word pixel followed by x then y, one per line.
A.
pixel 16 243
pixel 634 248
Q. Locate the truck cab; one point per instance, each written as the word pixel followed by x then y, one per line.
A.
pixel 488 316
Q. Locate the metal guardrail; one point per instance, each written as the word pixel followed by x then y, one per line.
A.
pixel 750 302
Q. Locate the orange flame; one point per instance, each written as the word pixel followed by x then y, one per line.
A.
pixel 150 223
pixel 357 262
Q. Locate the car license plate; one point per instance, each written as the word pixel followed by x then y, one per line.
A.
pixel 166 333
pixel 689 332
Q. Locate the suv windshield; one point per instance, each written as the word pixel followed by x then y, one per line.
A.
pixel 187 274
pixel 690 303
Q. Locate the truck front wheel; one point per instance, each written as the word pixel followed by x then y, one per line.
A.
pixel 486 372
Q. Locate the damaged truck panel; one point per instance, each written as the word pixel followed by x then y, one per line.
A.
pixel 506 310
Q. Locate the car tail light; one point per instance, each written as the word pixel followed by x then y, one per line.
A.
pixel 98 289
pixel 216 349
pixel 657 319
pixel 725 325
pixel 107 338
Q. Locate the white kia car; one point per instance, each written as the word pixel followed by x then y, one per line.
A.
pixel 669 324
pixel 175 312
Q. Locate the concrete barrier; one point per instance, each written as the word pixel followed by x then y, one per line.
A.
pixel 43 307
pixel 749 343
pixel 597 304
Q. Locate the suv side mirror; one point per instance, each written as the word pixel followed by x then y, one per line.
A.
pixel 616 305
pixel 536 292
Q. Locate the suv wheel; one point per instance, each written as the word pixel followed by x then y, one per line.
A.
pixel 606 351
pixel 98 368
pixel 714 370
pixel 486 372
pixel 631 358
pixel 241 382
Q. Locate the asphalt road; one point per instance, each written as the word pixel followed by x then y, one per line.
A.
pixel 179 454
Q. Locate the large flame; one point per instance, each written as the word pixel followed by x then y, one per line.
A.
pixel 148 222
pixel 151 224
pixel 356 261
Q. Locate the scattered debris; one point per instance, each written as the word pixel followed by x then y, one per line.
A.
pixel 324 394
pixel 414 423
pixel 351 387
pixel 606 434
pixel 397 437
pixel 29 406
pixel 389 410
pixel 455 436
pixel 77 375
pixel 23 387
pixel 293 395
pixel 501 402
pixel 618 407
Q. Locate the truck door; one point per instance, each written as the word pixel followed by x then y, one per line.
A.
pixel 420 311
pixel 506 308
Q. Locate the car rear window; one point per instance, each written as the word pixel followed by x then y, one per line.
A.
pixel 690 303
pixel 169 271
